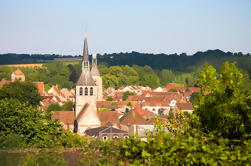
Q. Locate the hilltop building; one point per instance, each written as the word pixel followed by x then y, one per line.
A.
pixel 87 92
pixel 17 75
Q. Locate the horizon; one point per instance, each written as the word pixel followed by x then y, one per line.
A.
pixel 168 27
pixel 245 54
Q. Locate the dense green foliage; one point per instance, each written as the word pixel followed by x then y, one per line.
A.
pixel 33 125
pixel 23 91
pixel 68 106
pixel 225 109
pixel 126 95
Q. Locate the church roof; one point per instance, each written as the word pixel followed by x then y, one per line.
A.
pixel 86 79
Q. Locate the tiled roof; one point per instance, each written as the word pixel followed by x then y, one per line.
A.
pixel 108 117
pixel 40 87
pixel 184 106
pixel 142 112
pixel 3 82
pixel 194 89
pixel 182 89
pixel 18 72
pixel 132 117
pixel 66 117
pixel 170 86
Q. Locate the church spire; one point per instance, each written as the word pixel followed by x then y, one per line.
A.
pixel 85 64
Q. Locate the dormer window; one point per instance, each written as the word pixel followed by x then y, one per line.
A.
pixel 91 91
pixel 86 91
pixel 81 91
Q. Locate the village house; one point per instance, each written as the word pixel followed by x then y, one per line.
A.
pixel 17 75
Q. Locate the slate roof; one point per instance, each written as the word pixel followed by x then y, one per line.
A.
pixel 94 70
pixel 103 129
pixel 86 79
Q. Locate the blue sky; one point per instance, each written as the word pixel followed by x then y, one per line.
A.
pixel 156 26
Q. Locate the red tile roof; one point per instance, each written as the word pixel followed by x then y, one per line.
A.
pixel 182 89
pixel 170 86
pixel 184 106
pixel 194 89
pixel 133 117
pixel 18 72
pixel 3 82
pixel 66 117
pixel 142 112
pixel 40 87
pixel 109 117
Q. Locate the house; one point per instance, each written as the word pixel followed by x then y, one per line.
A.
pixel 68 94
pixel 3 82
pixel 140 130
pixel 131 118
pixel 109 118
pixel 185 107
pixel 55 91
pixel 66 118
pixel 159 89
pixel 17 75
pixel 106 132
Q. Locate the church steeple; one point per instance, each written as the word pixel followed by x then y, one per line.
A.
pixel 94 70
pixel 85 64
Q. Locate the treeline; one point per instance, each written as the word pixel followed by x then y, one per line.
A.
pixel 174 62
pixel 66 75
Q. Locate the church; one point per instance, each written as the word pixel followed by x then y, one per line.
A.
pixel 88 91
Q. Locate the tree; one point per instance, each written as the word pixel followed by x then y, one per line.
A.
pixel 126 95
pixel 23 91
pixel 54 107
pixel 109 98
pixel 35 126
pixel 68 106
pixel 166 76
pixel 224 109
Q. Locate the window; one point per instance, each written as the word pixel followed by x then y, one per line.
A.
pixel 105 138
pixel 91 91
pixel 126 136
pixel 86 91
pixel 81 91
pixel 115 137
